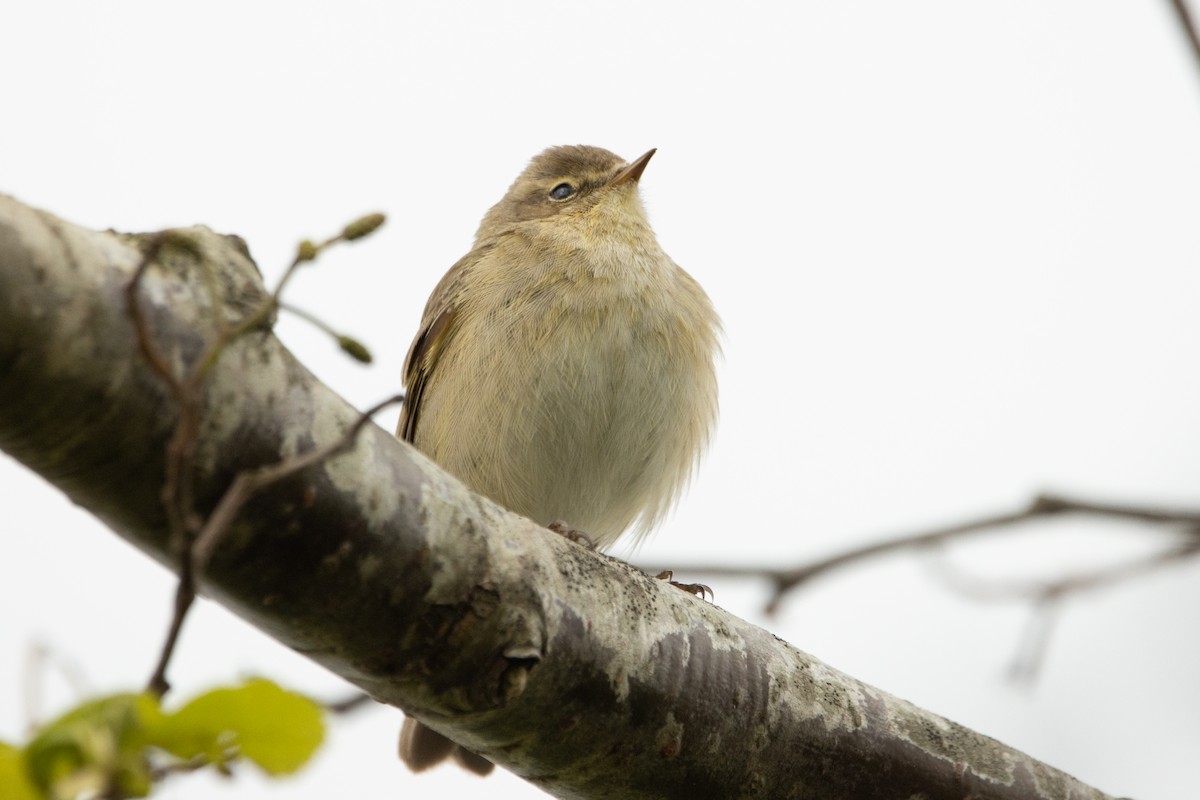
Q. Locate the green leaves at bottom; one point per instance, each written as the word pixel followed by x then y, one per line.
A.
pixel 14 783
pixel 123 744
pixel 96 748
pixel 276 729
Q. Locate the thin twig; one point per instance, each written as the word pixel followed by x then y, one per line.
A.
pixel 244 486
pixel 977 588
pixel 146 343
pixel 788 579
pixel 352 703
pixel 176 491
pixel 1047 597
pixel 185 595
pixel 311 319
pixel 1035 641
pixel 250 482
pixel 39 660
pixel 176 486
pixel 1184 16
pixel 193 764
pixel 193 537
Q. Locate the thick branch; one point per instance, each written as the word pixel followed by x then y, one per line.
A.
pixel 572 669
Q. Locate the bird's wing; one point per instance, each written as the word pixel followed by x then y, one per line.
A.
pixel 437 328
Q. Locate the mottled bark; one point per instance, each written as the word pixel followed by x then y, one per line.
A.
pixel 567 667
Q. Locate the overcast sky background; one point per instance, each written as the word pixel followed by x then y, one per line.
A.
pixel 955 246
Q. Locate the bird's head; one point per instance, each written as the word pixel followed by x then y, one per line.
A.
pixel 589 186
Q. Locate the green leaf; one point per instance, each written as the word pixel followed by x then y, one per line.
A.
pixel 276 729
pixel 14 783
pixel 96 747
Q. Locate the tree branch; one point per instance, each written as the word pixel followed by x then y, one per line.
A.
pixel 572 669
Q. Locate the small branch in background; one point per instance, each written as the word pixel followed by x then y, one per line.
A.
pixel 1047 597
pixel 786 580
pixel 193 537
pixel 977 588
pixel 1188 23
pixel 39 659
pixel 1035 641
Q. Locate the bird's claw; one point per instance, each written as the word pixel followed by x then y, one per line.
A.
pixel 570 534
pixel 701 590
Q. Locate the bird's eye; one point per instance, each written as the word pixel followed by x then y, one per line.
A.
pixel 562 191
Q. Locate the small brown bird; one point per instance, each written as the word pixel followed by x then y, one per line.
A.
pixel 565 366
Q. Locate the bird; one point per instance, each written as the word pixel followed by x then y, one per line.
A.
pixel 565 367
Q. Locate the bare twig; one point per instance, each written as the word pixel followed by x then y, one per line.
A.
pixel 177 485
pixel 788 579
pixel 349 345
pixel 975 587
pixel 248 483
pixel 192 765
pixel 1184 16
pixel 351 703
pixel 244 486
pixel 146 343
pixel 185 595
pixel 1048 596
pixel 193 537
pixel 39 660
pixel 1035 641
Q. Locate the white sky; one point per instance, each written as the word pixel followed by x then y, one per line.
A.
pixel 954 244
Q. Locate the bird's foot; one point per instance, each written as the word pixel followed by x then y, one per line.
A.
pixel 703 591
pixel 578 537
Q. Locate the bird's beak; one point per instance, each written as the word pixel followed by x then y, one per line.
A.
pixel 634 171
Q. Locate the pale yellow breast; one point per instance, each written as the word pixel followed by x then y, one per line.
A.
pixel 575 393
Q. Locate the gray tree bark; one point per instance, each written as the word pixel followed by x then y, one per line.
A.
pixel 570 668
